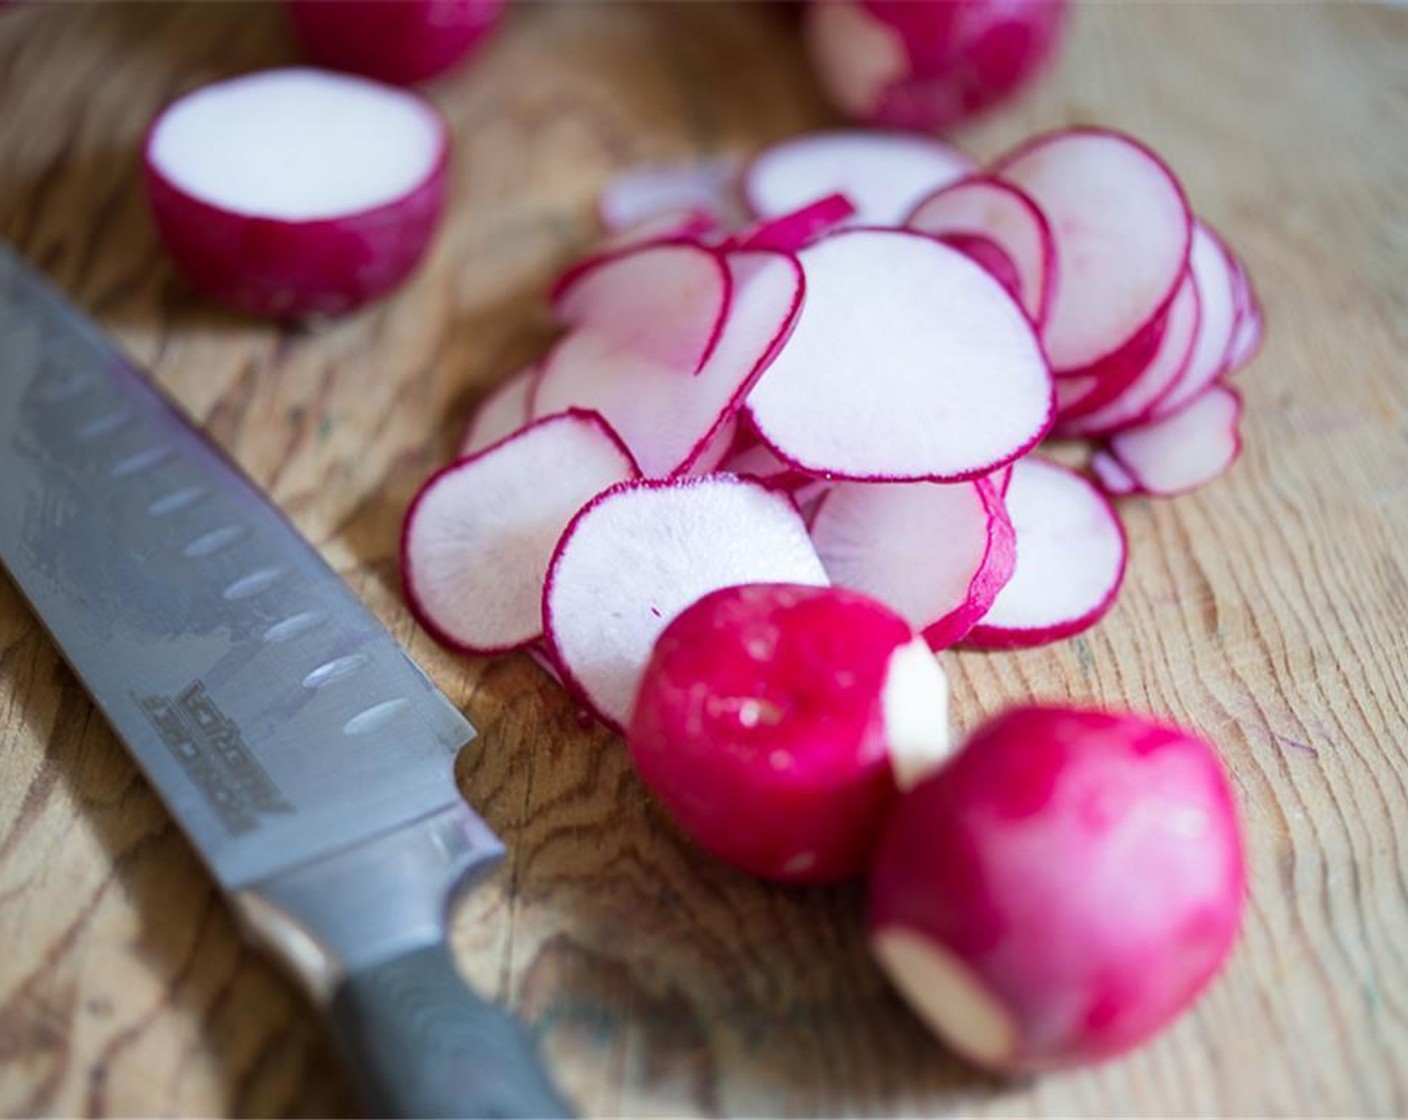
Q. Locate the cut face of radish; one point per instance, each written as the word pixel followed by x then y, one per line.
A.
pixel 989 208
pixel 908 361
pixel 1246 336
pixel 668 416
pixel 479 535
pixel 646 193
pixel 772 720
pixel 884 174
pixel 1212 271
pixel 1122 230
pixel 503 412
pixel 694 226
pixel 1070 559
pixel 1186 450
pixel 1111 474
pixel 297 192
pixel 1134 401
pixel 936 553
pixel 639 554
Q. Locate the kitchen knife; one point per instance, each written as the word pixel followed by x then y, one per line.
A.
pixel 304 754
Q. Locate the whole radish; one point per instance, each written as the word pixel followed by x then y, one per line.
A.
pixel 1061 889
pixel 929 64
pixel 397 41
pixel 776 723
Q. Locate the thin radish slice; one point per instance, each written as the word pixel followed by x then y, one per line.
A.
pixel 640 553
pixel 718 448
pixel 1111 474
pixel 1001 213
pixel 673 225
pixel 1122 230
pixel 660 304
pixel 1247 334
pixel 884 174
pixel 1185 450
pixel 644 193
pixel 1134 401
pixel 480 533
pixel 297 192
pixel 668 418
pixel 1070 559
pixel 935 553
pixel 791 233
pixel 759 462
pixel 504 411
pixel 908 361
pixel 1212 270
pixel 991 256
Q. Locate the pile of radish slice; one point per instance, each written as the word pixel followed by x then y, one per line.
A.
pixel 844 387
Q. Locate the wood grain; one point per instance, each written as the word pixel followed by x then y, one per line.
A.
pixel 1269 611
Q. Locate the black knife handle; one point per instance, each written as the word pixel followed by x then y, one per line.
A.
pixel 420 1043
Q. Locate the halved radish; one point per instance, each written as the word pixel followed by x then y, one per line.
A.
pixel 397 41
pixel 938 553
pixel 668 418
pixel 908 361
pixel 504 411
pixel 297 192
pixel 478 537
pixel 1111 474
pixel 640 553
pixel 1212 269
pixel 884 174
pixel 1122 229
pixel 645 193
pixel 791 233
pixel 1070 559
pixel 981 206
pixel 1185 450
pixel 777 722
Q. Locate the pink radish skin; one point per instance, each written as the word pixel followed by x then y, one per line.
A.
pixel 1181 452
pixel 502 413
pixel 396 41
pixel 645 193
pixel 907 362
pixel 992 258
pixel 332 207
pixel 929 64
pixel 1212 269
pixel 936 553
pixel 640 553
pixel 1246 336
pixel 883 174
pixel 774 722
pixel 1062 889
pixel 999 212
pixel 1070 559
pixel 478 537
pixel 670 419
pixel 1122 229
pixel 791 233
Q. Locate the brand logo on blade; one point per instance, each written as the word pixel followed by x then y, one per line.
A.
pixel 211 750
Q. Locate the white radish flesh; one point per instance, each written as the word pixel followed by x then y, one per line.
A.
pixel 504 411
pixel 1212 270
pixel 1185 450
pixel 1070 559
pixel 908 361
pixel 639 554
pixel 479 535
pixel 1114 479
pixel 645 193
pixel 936 553
pixel 884 174
pixel 1122 229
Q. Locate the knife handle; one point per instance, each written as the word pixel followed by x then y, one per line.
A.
pixel 421 1043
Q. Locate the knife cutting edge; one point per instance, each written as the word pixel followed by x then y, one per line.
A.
pixel 307 758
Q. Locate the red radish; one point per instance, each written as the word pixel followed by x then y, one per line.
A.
pixel 478 537
pixel 1185 450
pixel 1070 559
pixel 929 64
pixel 1246 335
pixel 297 192
pixel 639 554
pixel 397 41
pixel 709 457
pixel 501 413
pixel 908 361
pixel 759 462
pixel 774 722
pixel 1114 479
pixel 1062 889
pixel 644 193
pixel 883 174
pixel 791 233
pixel 1212 270
pixel 668 418
pixel 1122 229
pixel 1000 213
pixel 938 553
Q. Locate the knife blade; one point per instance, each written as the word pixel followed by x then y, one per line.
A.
pixel 306 757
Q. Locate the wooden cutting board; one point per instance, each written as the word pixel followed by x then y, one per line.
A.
pixel 1269 611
